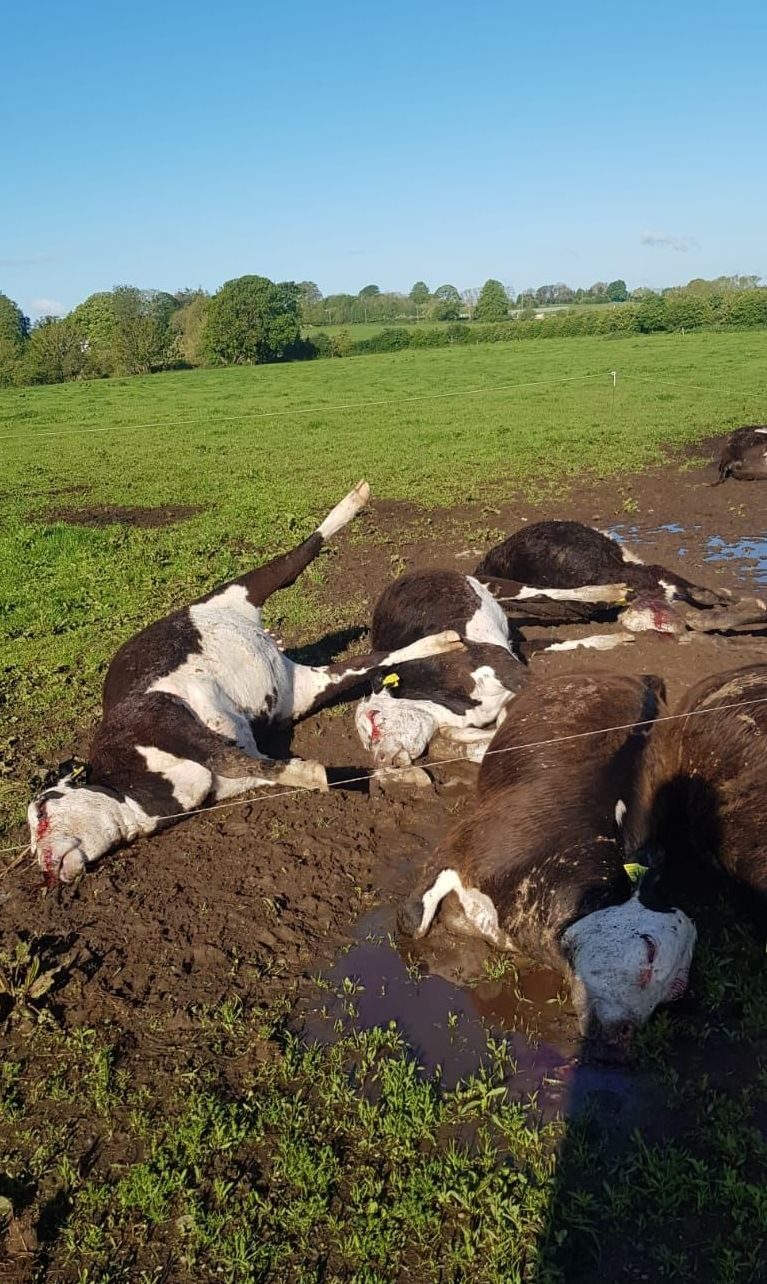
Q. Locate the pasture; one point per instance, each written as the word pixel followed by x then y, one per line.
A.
pixel 161 1113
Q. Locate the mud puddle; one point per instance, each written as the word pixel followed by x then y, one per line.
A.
pixel 648 537
pixel 521 1021
pixel 749 551
pixel 753 552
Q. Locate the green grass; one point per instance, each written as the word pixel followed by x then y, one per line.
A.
pixel 266 451
pixel 344 1163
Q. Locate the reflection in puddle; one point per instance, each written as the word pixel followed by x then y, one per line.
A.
pixel 627 533
pixel 452 1028
pixel 753 551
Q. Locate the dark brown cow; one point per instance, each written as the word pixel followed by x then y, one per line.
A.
pixel 700 805
pixel 744 456
pixel 539 865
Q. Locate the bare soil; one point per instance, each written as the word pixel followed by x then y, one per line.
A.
pixel 115 514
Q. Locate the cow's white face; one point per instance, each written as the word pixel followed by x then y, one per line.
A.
pixel 650 614
pixel 395 732
pixel 625 961
pixel 69 827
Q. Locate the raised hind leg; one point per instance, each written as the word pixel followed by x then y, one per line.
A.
pixel 284 570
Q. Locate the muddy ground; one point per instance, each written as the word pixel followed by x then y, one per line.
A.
pixel 255 900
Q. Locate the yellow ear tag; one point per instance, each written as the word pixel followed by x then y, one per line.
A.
pixel 391 680
pixel 636 872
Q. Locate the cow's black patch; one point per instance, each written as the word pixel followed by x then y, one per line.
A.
pixel 420 604
pixel 449 680
pixel 156 651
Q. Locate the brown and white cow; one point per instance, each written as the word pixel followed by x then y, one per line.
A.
pixel 460 695
pixel 700 802
pixel 556 554
pixel 183 703
pixel 539 865
pixel 744 456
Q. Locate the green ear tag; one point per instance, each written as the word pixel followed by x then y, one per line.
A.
pixel 636 872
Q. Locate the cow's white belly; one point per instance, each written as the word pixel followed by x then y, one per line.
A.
pixel 238 674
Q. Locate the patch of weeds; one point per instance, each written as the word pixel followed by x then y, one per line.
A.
pixel 27 974
pixel 498 967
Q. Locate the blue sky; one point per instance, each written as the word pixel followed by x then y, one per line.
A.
pixel 170 144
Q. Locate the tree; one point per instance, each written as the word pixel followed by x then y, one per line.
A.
pixel 447 305
pixel 188 324
pixel 419 295
pixel 493 302
pixel 54 352
pixel 617 292
pixel 251 319
pixel 14 326
pixel 309 294
pixel 369 292
pixel 143 338
pixel 95 322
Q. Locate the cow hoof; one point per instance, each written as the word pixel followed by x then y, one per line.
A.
pixel 305 775
pixel 394 782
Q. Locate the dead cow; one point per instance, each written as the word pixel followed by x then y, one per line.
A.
pixel 539 866
pixel 461 695
pixel 744 456
pixel 183 703
pixel 569 555
pixel 700 805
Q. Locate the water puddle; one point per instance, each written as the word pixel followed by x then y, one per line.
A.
pixel 454 1029
pixel 627 533
pixel 750 551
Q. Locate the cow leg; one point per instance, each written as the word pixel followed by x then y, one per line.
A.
pixel 284 570
pixel 235 771
pixel 514 593
pixel 162 724
pixel 748 612
pixel 470 743
pixel 599 642
pixel 315 687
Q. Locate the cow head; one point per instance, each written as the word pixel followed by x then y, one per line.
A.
pixel 624 961
pixel 71 826
pixel 410 701
pixel 651 612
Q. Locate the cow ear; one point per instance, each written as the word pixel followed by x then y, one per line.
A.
pixel 387 680
pixel 655 891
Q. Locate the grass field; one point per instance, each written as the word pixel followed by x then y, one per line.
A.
pixel 229 1151
pixel 366 329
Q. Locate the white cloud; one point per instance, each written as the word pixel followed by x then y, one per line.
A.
pixel 48 307
pixel 31 261
pixel 664 240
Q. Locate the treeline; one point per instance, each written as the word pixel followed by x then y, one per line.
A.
pixel 493 302
pixel 128 331
pixel 654 314
pixel 252 320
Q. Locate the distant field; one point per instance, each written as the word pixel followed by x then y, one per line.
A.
pixel 264 451
pixel 365 330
